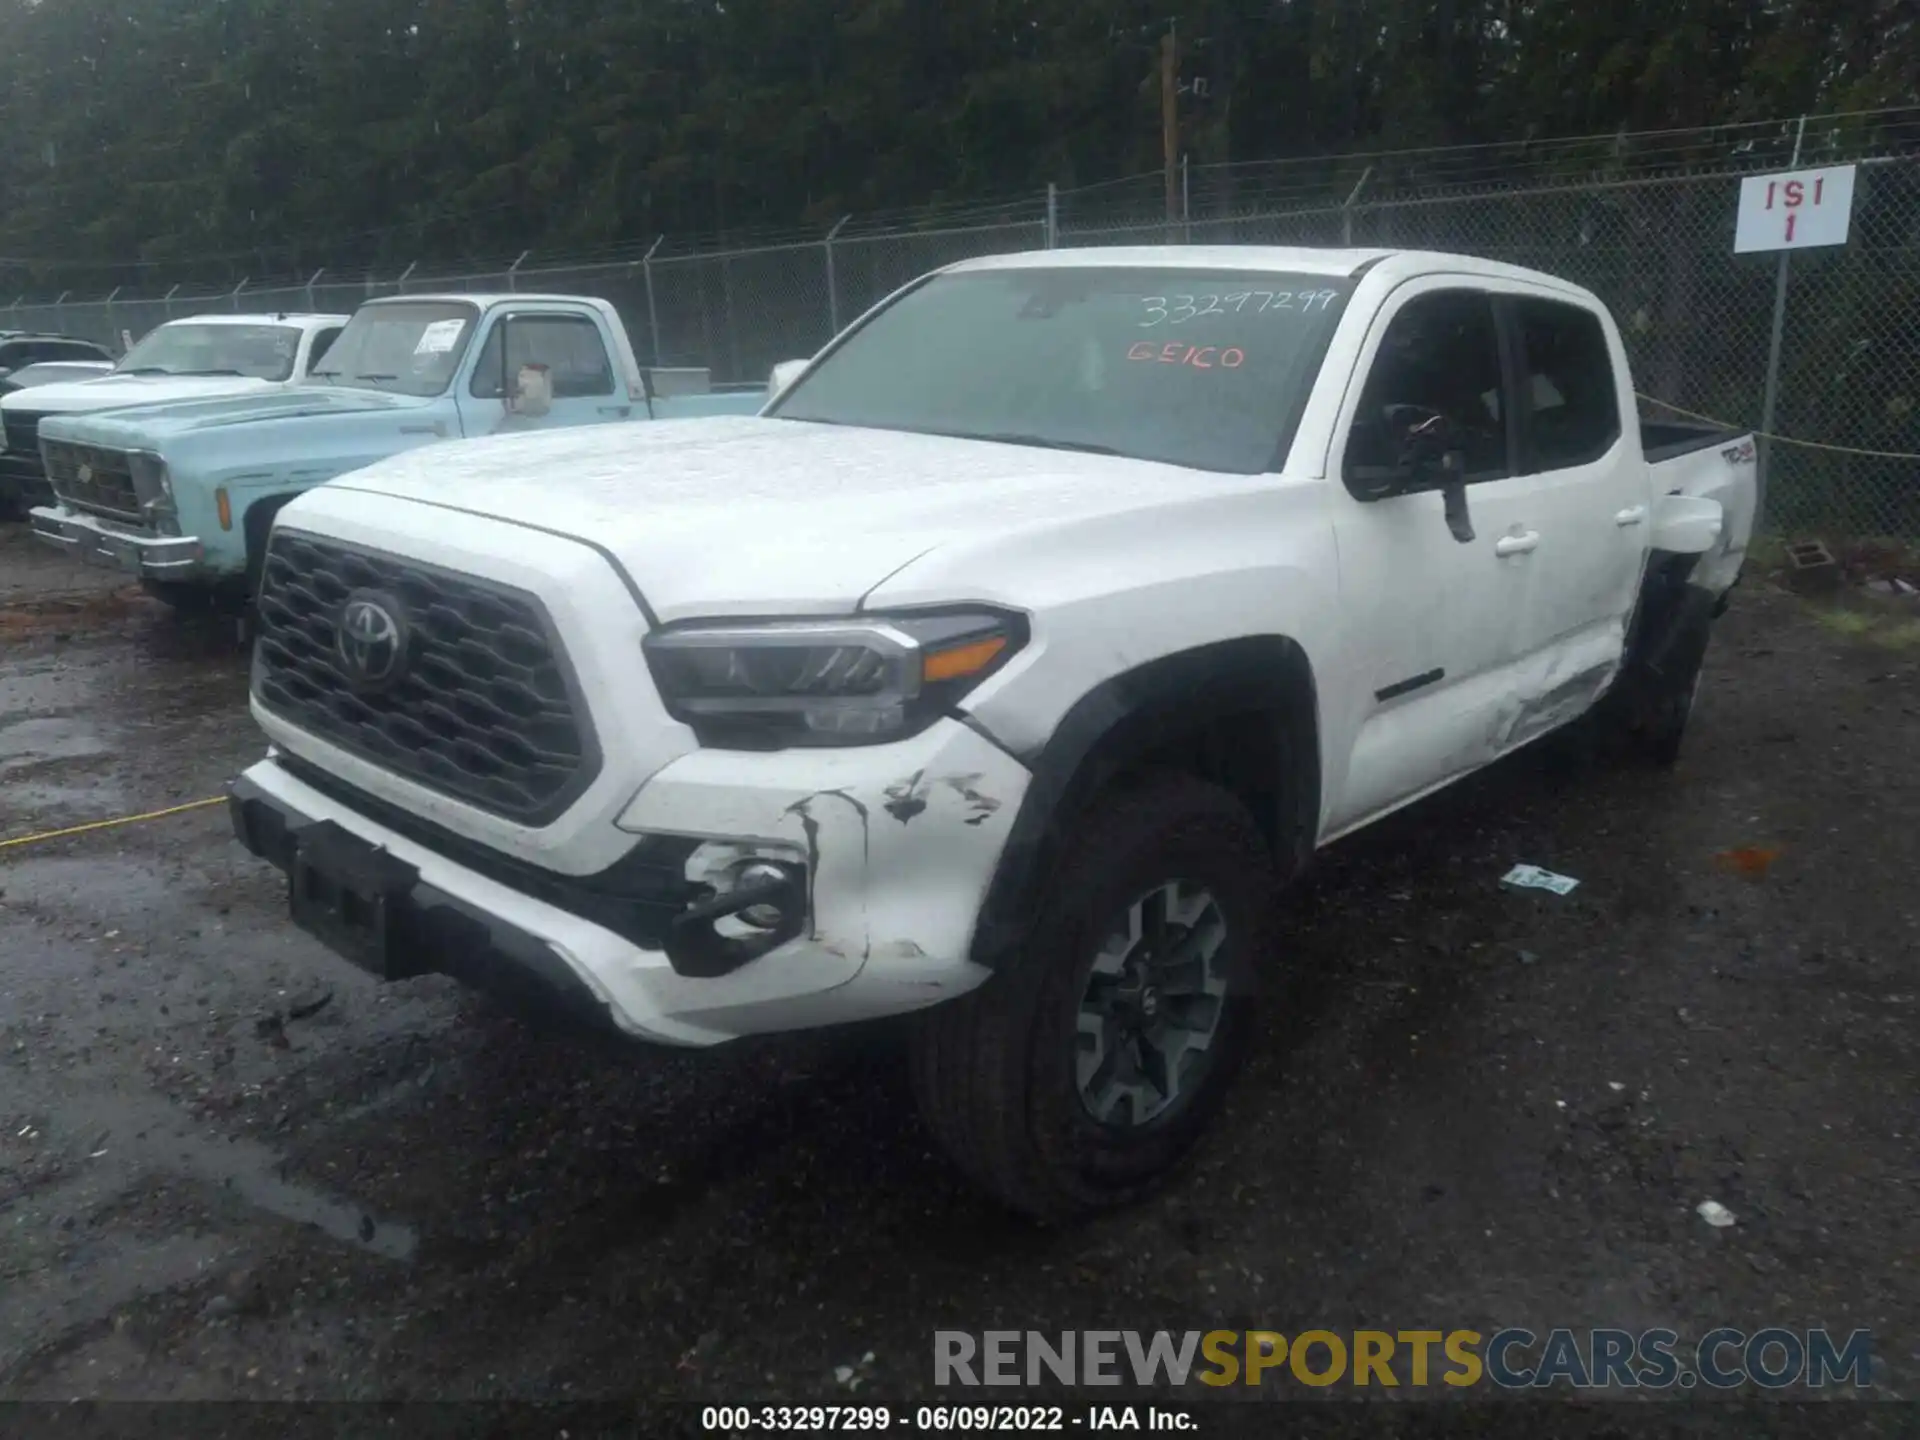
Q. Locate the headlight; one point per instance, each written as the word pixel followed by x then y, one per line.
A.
pixel 150 480
pixel 841 682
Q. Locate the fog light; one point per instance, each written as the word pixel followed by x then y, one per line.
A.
pixel 757 901
pixel 762 874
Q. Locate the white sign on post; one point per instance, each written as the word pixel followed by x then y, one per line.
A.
pixel 1797 210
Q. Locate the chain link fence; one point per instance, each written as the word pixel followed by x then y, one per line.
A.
pixel 1646 222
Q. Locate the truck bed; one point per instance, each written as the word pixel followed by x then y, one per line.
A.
pixel 1668 439
pixel 1709 462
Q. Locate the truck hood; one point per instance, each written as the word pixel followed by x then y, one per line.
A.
pixel 151 424
pixel 116 392
pixel 732 516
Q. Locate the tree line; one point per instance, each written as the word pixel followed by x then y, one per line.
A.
pixel 273 135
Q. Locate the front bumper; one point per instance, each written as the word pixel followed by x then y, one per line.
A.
pixel 900 844
pixel 23 481
pixel 98 543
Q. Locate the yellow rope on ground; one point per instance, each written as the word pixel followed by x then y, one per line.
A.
pixel 110 824
pixel 1781 439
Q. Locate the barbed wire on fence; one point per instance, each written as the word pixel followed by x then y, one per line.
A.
pixel 1646 221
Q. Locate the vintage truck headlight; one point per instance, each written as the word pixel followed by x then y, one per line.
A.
pixel 153 487
pixel 860 681
pixel 151 483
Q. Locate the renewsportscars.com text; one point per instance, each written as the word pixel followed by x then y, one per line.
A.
pixel 1772 1358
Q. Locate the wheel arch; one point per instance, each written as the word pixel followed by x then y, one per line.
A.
pixel 1243 713
pixel 256 526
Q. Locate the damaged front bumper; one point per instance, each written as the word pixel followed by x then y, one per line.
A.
pixel 867 869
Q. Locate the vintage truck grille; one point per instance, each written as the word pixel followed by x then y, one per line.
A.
pixel 456 683
pixel 89 478
pixel 23 432
pixel 22 475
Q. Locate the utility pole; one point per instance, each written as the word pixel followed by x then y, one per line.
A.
pixel 1170 114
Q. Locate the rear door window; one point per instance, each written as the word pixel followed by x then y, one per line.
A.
pixel 1569 406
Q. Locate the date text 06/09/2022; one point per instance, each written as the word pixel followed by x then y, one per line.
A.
pixel 927 1419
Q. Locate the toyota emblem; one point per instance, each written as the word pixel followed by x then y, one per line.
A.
pixel 86 474
pixel 371 638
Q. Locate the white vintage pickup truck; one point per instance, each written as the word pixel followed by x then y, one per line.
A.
pixel 999 673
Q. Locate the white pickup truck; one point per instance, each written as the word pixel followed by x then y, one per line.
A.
pixel 1001 670
pixel 199 357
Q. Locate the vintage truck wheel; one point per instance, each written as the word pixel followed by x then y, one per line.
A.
pixel 1083 1072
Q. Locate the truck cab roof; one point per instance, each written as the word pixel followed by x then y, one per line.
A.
pixel 1295 259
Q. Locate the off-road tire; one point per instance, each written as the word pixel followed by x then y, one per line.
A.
pixel 994 1071
pixel 1653 710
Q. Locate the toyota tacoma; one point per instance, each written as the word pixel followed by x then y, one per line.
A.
pixel 998 675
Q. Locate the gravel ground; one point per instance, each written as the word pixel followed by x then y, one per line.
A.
pixel 231 1168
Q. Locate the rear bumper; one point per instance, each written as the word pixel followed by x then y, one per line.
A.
pixel 889 916
pixel 92 541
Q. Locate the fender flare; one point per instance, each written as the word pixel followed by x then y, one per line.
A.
pixel 1128 718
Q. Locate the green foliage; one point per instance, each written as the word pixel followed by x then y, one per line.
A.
pixel 273 136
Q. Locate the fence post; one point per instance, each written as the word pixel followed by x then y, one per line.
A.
pixel 1186 204
pixel 513 272
pixel 236 293
pixel 1346 210
pixel 400 285
pixel 313 281
pixel 653 311
pixel 166 302
pixel 14 310
pixel 1772 395
pixel 60 320
pixel 111 333
pixel 833 284
pixel 1053 216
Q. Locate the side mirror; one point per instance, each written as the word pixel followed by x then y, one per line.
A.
pixel 1435 454
pixel 784 374
pixel 1429 454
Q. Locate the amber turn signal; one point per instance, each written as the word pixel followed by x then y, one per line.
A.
pixel 962 660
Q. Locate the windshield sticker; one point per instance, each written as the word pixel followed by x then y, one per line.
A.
pixel 440 337
pixel 1179 309
pixel 1199 357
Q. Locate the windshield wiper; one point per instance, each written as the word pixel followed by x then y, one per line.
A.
pixel 376 377
pixel 321 374
pixel 209 372
pixel 1045 442
pixel 147 370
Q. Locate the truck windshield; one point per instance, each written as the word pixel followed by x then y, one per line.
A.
pixel 261 352
pixel 1207 369
pixel 408 347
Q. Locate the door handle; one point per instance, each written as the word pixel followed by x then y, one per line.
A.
pixel 1632 515
pixel 623 411
pixel 1517 544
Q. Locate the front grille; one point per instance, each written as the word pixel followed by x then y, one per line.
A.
pixel 92 479
pixel 481 704
pixel 23 433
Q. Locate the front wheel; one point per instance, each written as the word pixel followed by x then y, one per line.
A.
pixel 1084 1072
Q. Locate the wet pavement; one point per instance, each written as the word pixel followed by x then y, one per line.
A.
pixel 233 1168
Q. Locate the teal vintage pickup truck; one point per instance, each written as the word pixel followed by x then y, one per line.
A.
pixel 183 494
